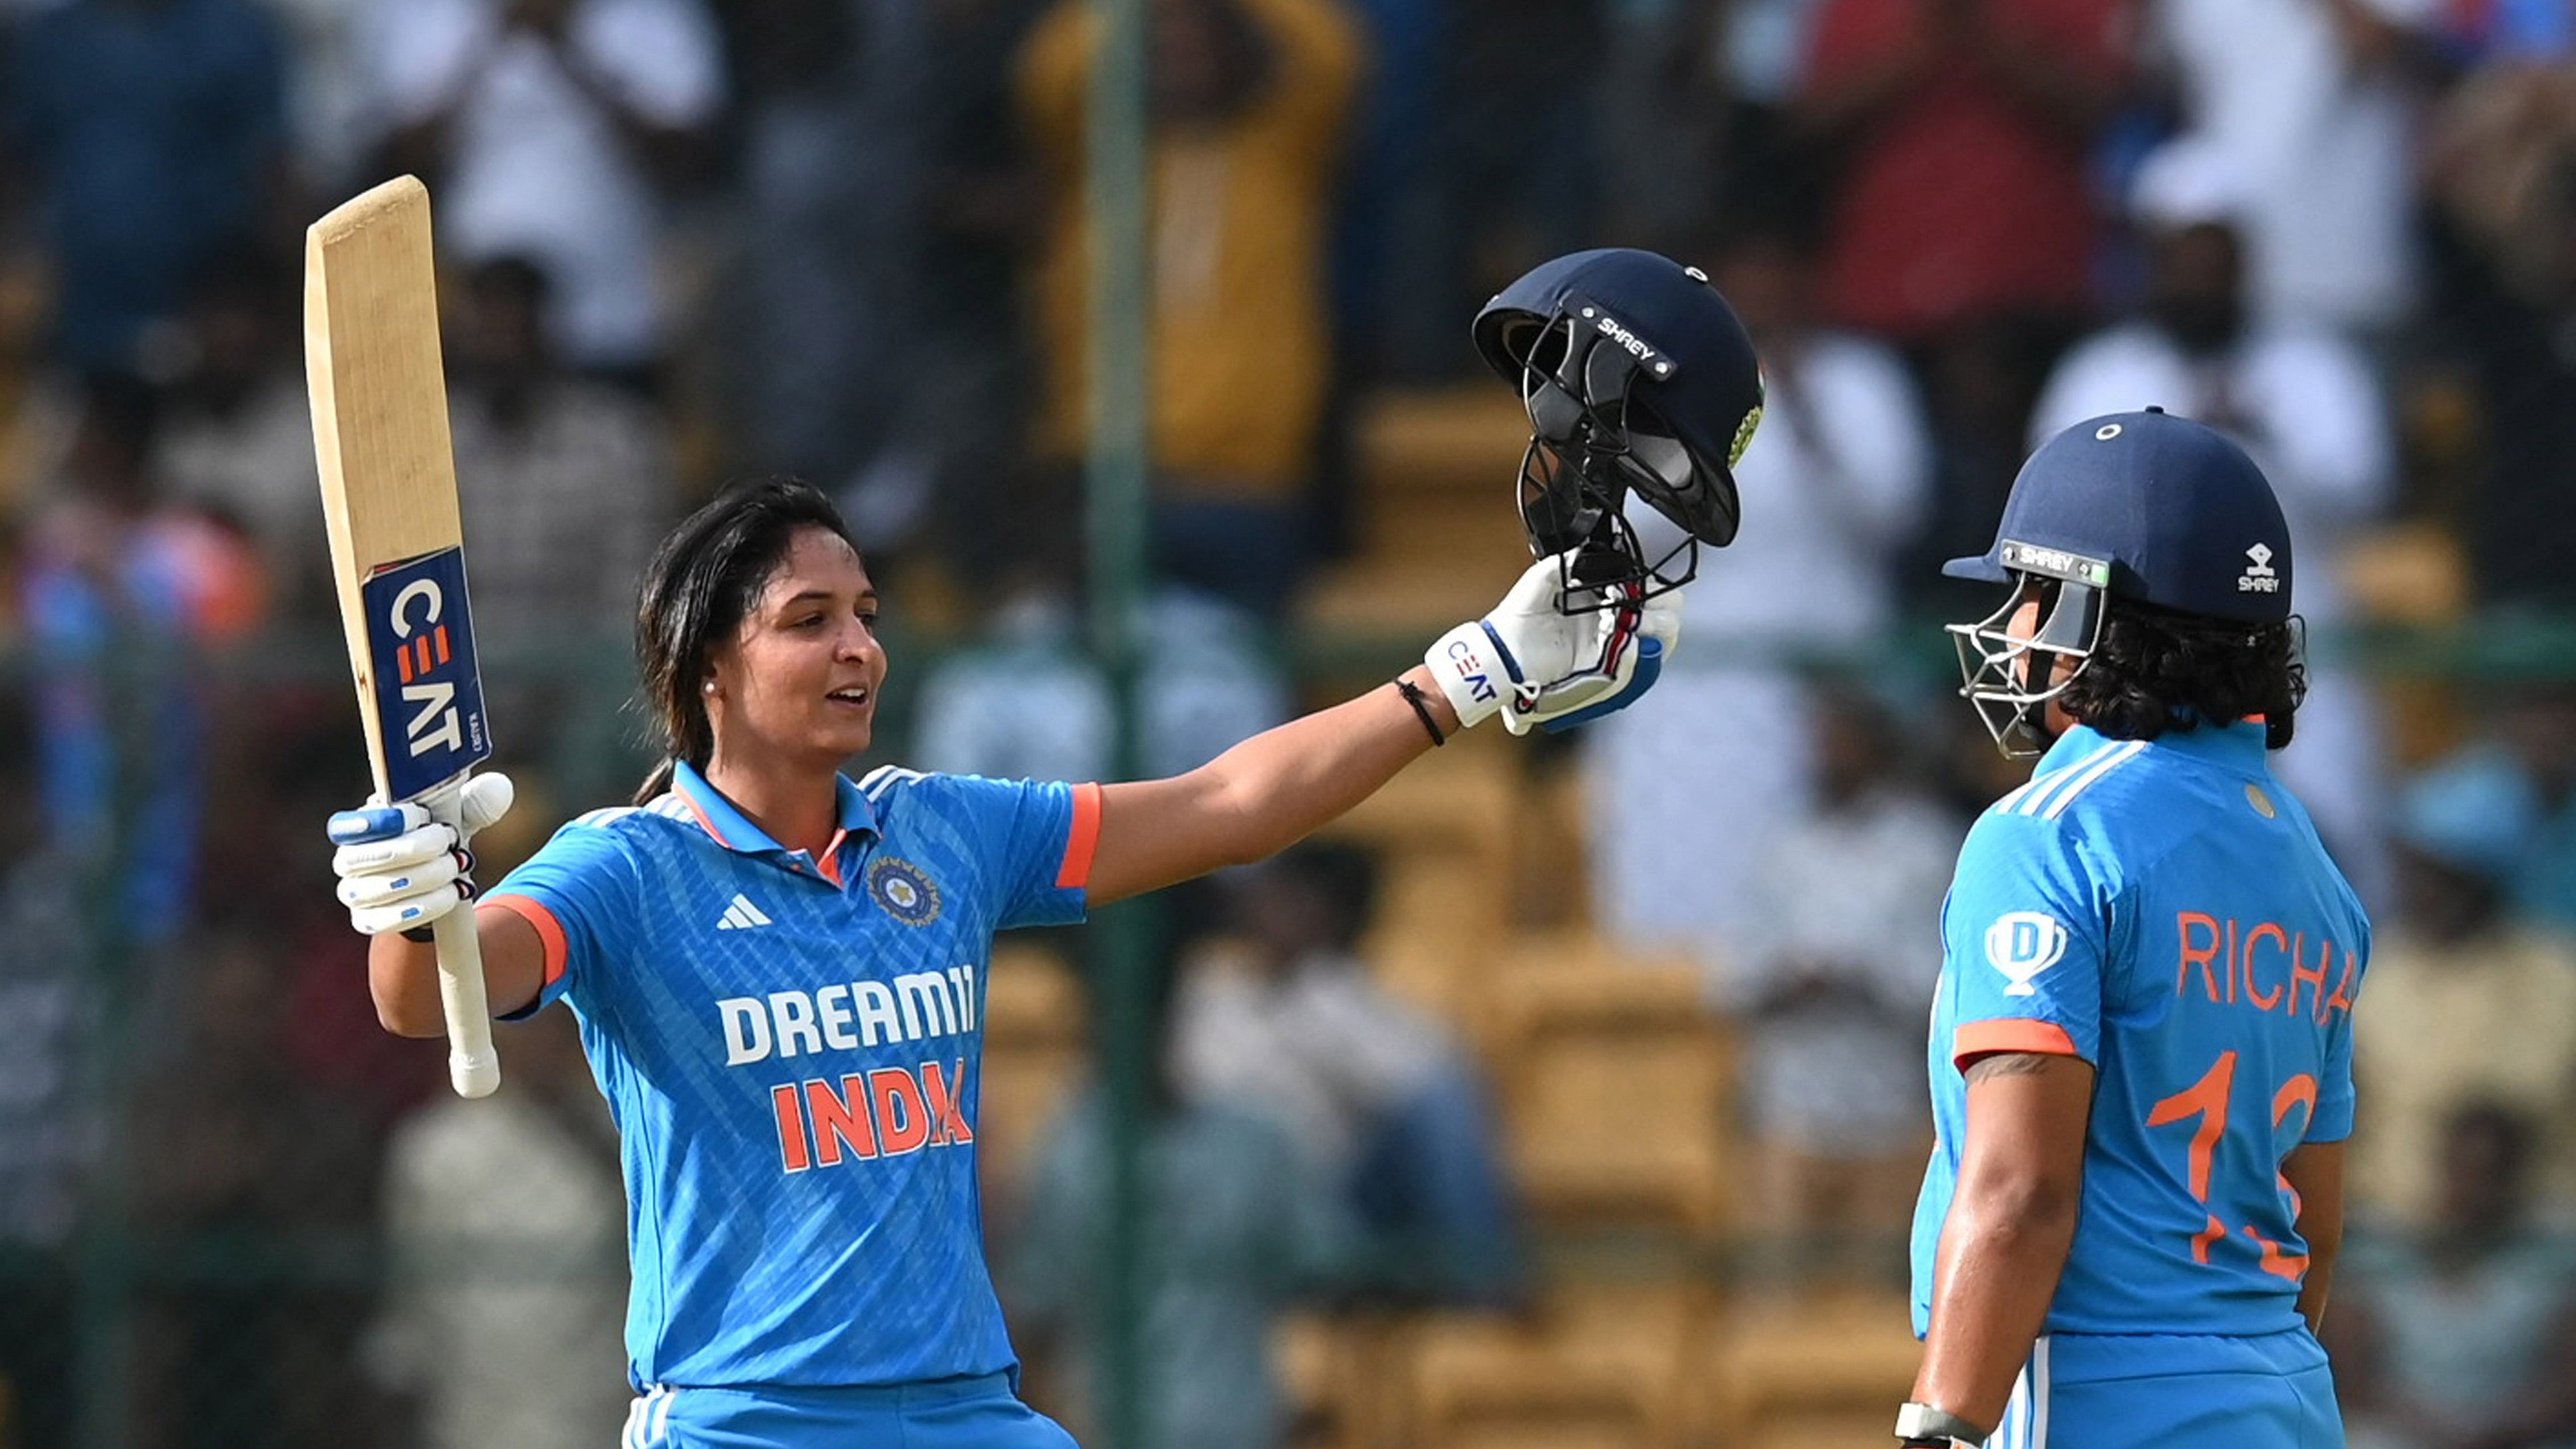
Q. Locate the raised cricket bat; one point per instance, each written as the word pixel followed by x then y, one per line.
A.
pixel 371 365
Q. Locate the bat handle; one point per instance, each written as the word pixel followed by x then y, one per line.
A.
pixel 473 1067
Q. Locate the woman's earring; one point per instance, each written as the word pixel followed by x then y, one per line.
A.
pixel 709 687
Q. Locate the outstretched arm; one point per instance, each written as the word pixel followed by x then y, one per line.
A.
pixel 1530 661
pixel 1263 795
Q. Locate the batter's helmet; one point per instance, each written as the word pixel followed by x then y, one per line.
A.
pixel 1637 376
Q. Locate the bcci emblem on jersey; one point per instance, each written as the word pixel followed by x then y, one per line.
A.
pixel 904 892
pixel 2022 944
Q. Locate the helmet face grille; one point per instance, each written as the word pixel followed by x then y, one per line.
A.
pixel 2010 680
pixel 1590 447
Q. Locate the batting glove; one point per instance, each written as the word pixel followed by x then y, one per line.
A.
pixel 399 868
pixel 1552 658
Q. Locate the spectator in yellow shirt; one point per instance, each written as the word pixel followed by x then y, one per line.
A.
pixel 1249 104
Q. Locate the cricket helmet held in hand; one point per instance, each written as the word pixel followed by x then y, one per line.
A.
pixel 1638 378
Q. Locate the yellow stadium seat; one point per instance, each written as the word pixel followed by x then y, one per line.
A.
pixel 2407 573
pixel 1614 1081
pixel 1846 1429
pixel 1465 798
pixel 1440 920
pixel 1572 1376
pixel 1807 1366
pixel 1551 885
pixel 1434 466
pixel 1343 1378
pixel 1464 439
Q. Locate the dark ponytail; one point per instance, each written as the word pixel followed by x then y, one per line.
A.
pixel 706 576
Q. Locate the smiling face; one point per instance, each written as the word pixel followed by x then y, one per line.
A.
pixel 799 679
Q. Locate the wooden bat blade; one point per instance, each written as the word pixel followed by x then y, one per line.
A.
pixel 385 456
pixel 380 437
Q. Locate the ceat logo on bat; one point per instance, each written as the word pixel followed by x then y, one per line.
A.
pixel 2022 944
pixel 428 693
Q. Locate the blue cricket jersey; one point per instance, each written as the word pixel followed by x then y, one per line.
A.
pixel 2165 911
pixel 791 1048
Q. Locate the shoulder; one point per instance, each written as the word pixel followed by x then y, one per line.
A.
pixel 2320 861
pixel 619 833
pixel 630 822
pixel 921 805
pixel 889 788
pixel 2067 793
pixel 2068 822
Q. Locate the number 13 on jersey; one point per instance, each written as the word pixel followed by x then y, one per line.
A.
pixel 2207 1100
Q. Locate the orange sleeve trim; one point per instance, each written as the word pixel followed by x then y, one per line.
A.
pixel 2018 1034
pixel 1079 842
pixel 549 930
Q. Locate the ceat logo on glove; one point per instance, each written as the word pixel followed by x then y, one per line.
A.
pixel 1471 668
pixel 2022 944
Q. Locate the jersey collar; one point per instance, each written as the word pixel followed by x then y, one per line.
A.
pixel 733 830
pixel 2238 746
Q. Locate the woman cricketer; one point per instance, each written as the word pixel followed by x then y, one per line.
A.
pixel 780 972
pixel 2141 1047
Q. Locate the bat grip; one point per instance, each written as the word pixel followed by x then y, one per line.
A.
pixel 473 1067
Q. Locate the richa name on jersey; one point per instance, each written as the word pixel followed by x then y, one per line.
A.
pixel 2262 967
pixel 857 1116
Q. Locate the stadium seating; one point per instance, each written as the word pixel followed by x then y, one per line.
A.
pixel 1437 539
pixel 1035 1045
pixel 1799 1370
pixel 1593 1368
pixel 1613 1077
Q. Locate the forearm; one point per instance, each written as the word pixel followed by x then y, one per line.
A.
pixel 1286 782
pixel 402 974
pixel 1263 795
pixel 2010 1225
pixel 2000 1255
pixel 2314 1172
pixel 2316 1287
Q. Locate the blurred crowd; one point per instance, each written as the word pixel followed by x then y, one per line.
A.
pixel 685 240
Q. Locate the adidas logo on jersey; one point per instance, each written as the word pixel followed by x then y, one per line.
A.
pixel 741 915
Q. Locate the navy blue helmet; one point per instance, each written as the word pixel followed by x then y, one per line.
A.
pixel 2144 506
pixel 1637 377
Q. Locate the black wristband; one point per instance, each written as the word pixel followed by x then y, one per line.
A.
pixel 1413 696
pixel 422 934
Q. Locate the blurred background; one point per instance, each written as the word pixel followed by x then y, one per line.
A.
pixel 1570 1093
